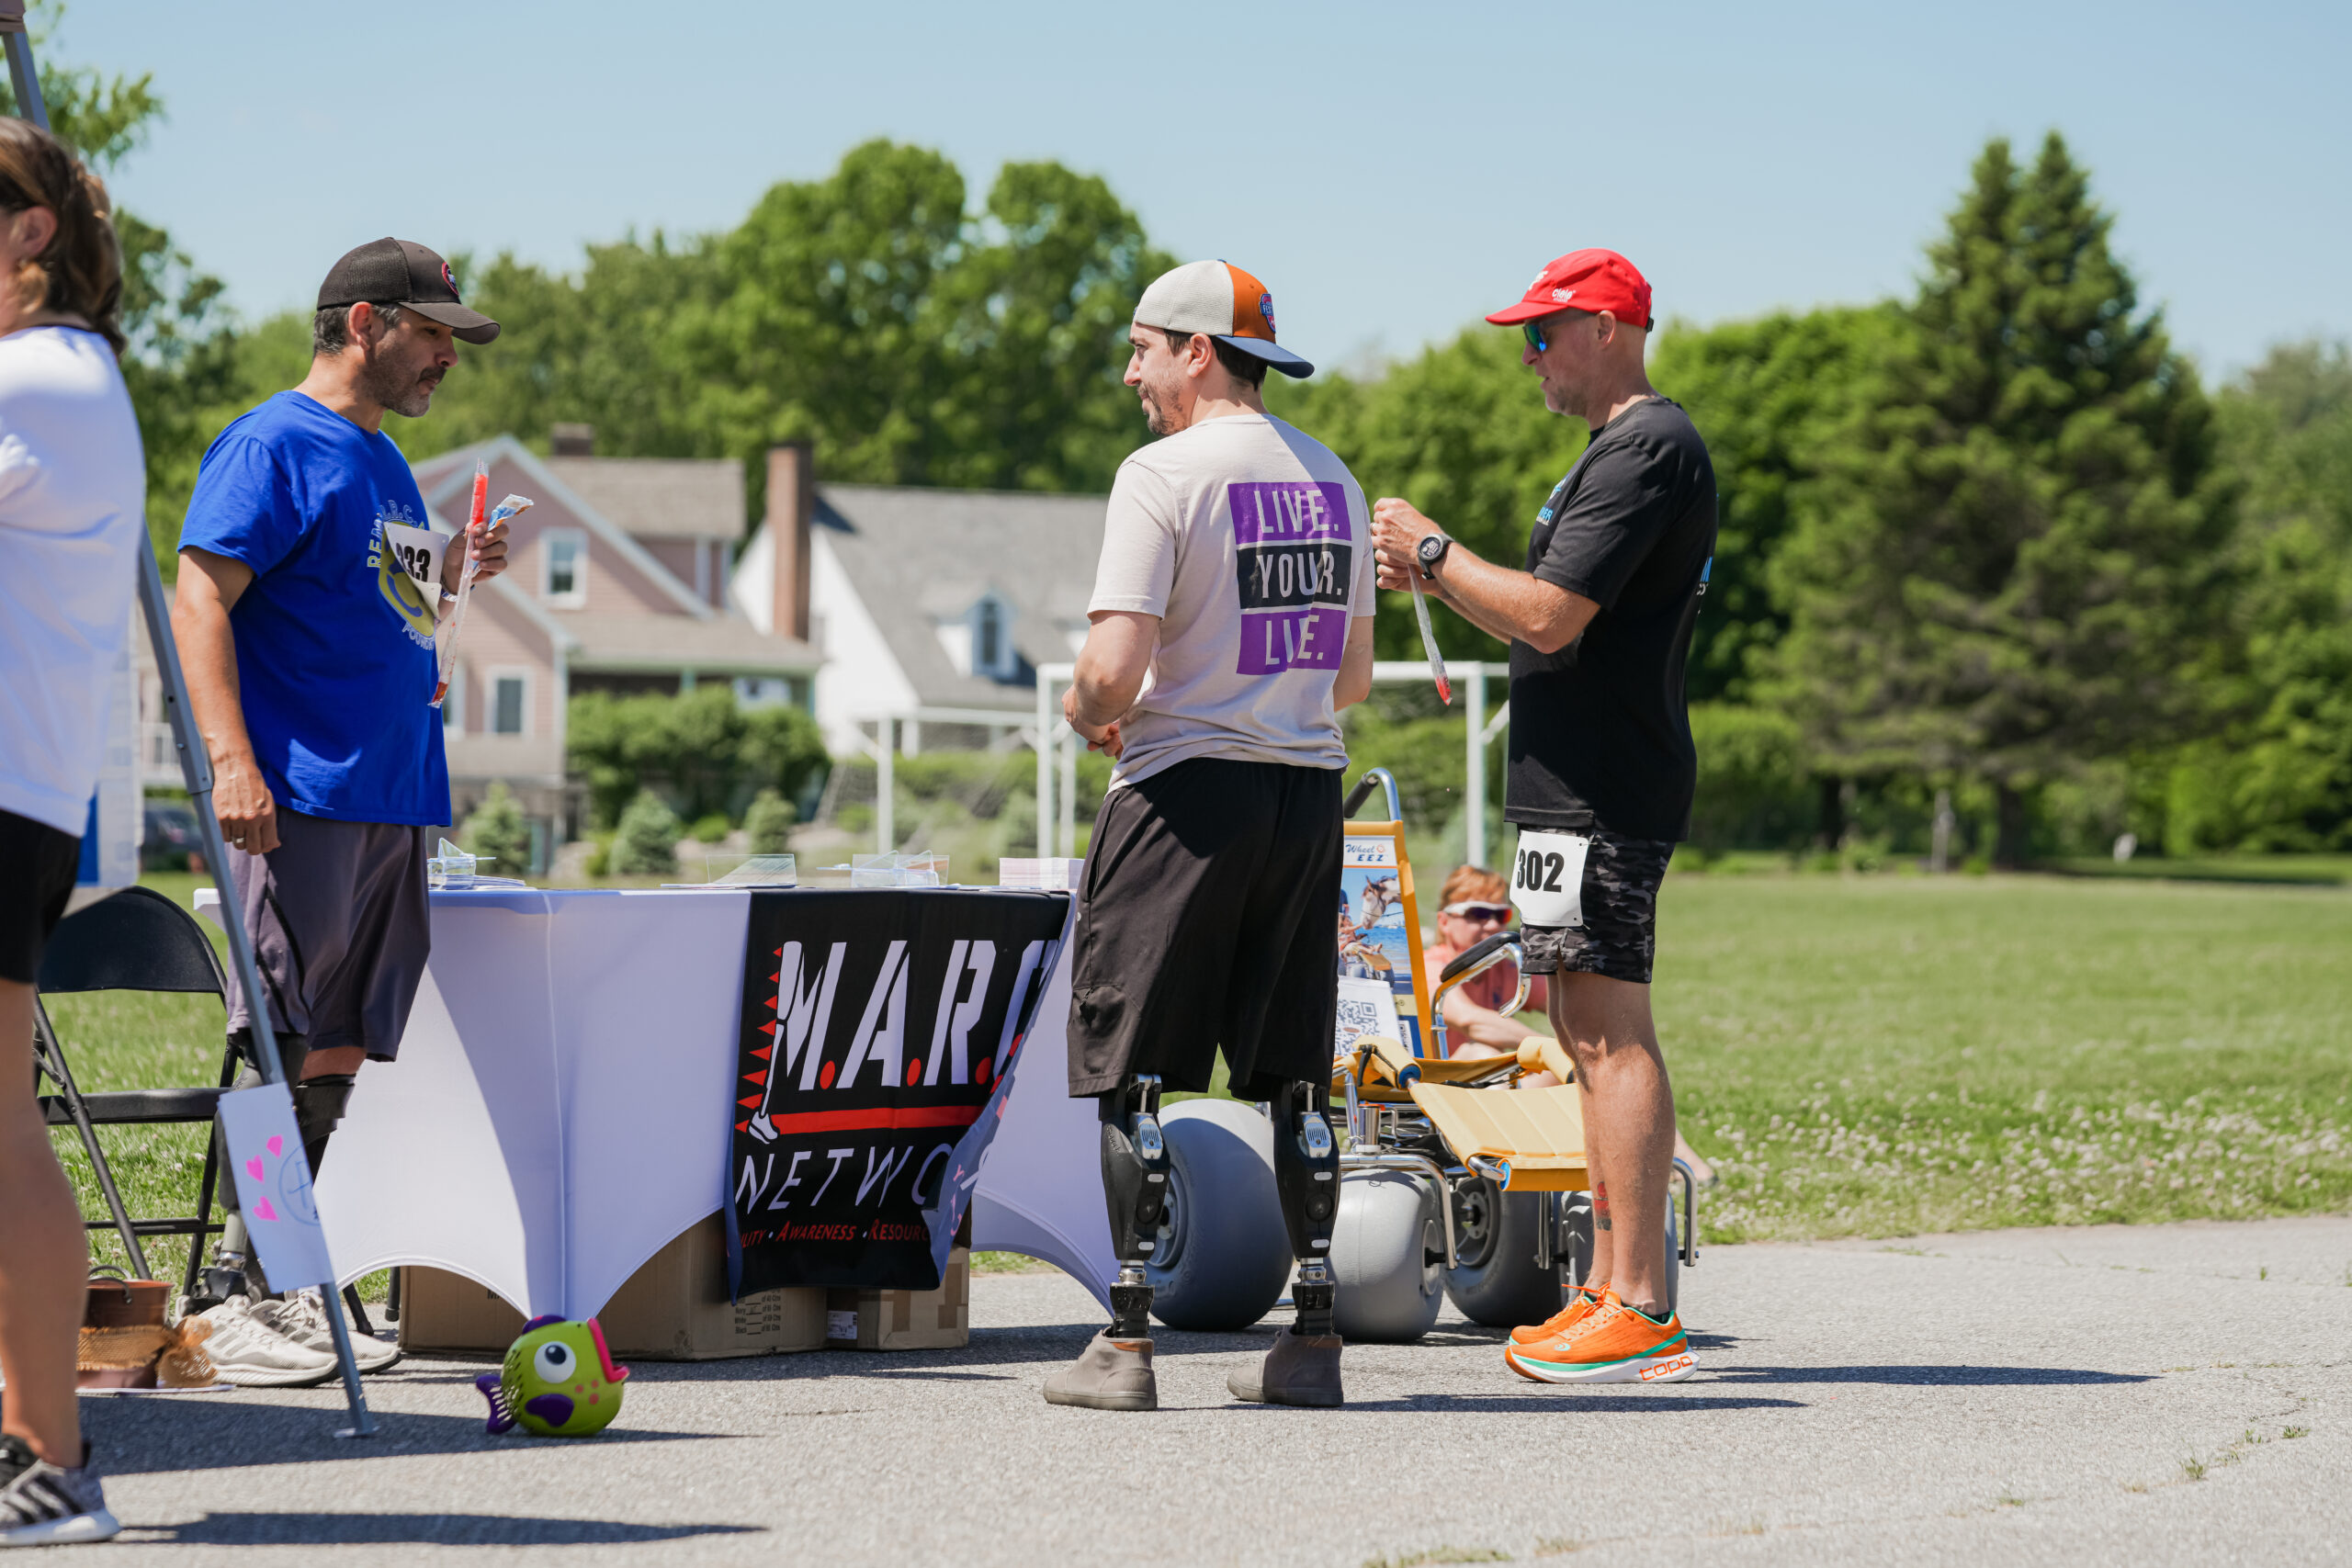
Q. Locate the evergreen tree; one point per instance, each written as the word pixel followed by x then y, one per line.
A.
pixel 2012 568
pixel 768 824
pixel 647 844
pixel 497 830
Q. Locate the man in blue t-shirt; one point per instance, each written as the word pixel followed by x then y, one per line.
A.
pixel 307 640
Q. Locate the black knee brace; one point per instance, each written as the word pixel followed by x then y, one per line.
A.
pixel 1306 1178
pixel 318 1111
pixel 1134 1187
pixel 291 1050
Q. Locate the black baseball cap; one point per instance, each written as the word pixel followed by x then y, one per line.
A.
pixel 404 273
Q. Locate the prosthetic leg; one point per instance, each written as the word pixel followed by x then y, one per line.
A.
pixel 1114 1372
pixel 1303 1368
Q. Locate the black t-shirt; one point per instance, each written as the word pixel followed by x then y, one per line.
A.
pixel 1600 734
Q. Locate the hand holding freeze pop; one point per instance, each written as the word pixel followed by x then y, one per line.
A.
pixel 484 548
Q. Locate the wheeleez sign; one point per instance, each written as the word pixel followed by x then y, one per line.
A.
pixel 878 1030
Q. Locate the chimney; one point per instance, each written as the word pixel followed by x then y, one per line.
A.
pixel 571 441
pixel 792 502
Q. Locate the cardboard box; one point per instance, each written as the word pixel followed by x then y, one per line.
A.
pixel 673 1309
pixel 905 1320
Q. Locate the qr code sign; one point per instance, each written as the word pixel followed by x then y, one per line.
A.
pixel 1366 1007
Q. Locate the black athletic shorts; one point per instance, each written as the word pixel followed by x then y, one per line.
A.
pixel 37 869
pixel 1619 937
pixel 1204 920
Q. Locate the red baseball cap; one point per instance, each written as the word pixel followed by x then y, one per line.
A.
pixel 1584 280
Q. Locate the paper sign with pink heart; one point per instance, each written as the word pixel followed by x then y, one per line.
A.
pixel 273 1186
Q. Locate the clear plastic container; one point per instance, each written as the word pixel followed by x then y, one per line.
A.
pixel 918 868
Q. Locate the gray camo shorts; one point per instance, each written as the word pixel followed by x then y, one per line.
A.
pixel 1619 937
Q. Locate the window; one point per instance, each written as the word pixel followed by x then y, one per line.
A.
pixel 989 637
pixel 510 701
pixel 565 554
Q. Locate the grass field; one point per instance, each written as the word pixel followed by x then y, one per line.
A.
pixel 1872 1056
pixel 1875 1055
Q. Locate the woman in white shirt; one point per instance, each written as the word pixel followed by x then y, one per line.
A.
pixel 72 499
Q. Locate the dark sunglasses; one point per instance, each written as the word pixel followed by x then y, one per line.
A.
pixel 1479 911
pixel 1534 333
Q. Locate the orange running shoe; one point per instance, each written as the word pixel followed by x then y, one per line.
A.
pixel 1614 1343
pixel 1582 1301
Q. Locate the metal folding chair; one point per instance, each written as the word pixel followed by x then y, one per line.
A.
pixel 136 940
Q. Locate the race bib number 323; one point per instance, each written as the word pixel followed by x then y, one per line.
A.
pixel 1547 879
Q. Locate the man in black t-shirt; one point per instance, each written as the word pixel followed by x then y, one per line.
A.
pixel 1601 769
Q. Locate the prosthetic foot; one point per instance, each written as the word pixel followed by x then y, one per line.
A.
pixel 1301 1368
pixel 1112 1374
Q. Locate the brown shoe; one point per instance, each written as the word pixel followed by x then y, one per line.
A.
pixel 1297 1370
pixel 1111 1374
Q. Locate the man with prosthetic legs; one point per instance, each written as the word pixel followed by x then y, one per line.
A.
pixel 1231 620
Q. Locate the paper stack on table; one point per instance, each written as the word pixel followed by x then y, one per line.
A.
pixel 1053 873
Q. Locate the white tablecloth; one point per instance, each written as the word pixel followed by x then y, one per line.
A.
pixel 560 1107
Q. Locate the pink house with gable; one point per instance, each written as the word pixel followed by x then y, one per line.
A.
pixel 619 582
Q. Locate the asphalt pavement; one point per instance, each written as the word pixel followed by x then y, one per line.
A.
pixel 2156 1394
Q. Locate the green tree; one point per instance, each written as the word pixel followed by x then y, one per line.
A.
pixel 2013 564
pixel 700 747
pixel 1769 397
pixel 497 830
pixel 768 824
pixel 602 348
pixel 2281 777
pixel 647 844
pixel 1037 309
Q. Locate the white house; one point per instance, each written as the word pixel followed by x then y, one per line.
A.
pixel 933 606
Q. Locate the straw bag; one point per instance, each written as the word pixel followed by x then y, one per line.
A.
pixel 125 1343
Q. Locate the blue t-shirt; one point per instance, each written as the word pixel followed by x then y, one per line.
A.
pixel 334 639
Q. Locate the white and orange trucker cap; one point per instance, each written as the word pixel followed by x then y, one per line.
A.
pixel 1224 302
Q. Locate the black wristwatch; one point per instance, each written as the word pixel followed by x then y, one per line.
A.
pixel 1430 552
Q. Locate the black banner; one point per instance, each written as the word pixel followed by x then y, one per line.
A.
pixel 877 1026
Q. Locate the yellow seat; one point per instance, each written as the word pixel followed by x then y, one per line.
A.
pixel 1537 1133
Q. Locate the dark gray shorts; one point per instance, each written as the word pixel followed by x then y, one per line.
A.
pixel 341 930
pixel 1619 937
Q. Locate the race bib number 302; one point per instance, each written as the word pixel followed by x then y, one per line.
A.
pixel 1548 880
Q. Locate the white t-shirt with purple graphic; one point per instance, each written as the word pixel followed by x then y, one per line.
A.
pixel 1252 542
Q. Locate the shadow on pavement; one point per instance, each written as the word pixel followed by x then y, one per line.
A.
pixel 403 1529
pixel 1964 1376
pixel 1548 1402
pixel 221 1434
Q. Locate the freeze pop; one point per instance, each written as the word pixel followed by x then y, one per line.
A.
pixel 478 526
pixel 1428 640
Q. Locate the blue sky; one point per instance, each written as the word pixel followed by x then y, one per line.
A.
pixel 1391 171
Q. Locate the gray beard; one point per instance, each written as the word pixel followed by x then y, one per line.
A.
pixel 404 395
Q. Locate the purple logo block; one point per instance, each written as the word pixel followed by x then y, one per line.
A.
pixel 1276 640
pixel 1288 512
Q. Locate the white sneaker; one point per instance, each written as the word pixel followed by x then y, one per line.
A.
pixel 250 1353
pixel 302 1318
